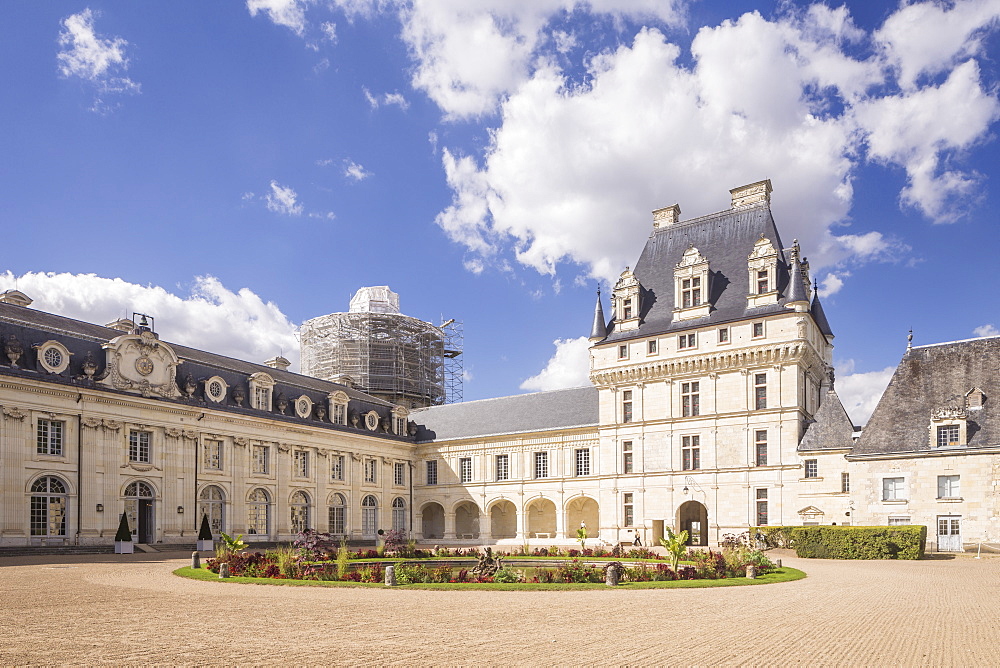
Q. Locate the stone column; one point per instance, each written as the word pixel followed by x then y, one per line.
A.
pixel 321 474
pixel 243 482
pixel 16 428
pixel 561 518
pixel 282 474
pixel 113 457
pixel 449 524
pixel 91 492
pixel 172 486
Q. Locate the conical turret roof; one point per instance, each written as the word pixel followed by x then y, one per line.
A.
pixel 818 315
pixel 600 329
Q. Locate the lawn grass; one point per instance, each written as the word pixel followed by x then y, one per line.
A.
pixel 784 574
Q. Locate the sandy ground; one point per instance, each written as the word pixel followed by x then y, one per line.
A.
pixel 130 609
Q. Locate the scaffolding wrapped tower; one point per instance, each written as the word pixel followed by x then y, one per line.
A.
pixel 380 351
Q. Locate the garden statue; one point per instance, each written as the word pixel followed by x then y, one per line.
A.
pixel 488 564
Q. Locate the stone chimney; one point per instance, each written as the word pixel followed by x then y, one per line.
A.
pixel 15 298
pixel 755 193
pixel 668 215
pixel 279 363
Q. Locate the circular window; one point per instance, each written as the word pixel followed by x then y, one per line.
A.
pixel 303 406
pixel 371 420
pixel 215 389
pixel 53 357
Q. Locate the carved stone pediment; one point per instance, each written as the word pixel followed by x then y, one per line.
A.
pixel 141 363
pixel 692 256
pixel 949 413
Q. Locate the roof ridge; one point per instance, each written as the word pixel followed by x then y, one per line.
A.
pixel 709 216
pixel 949 343
pixel 509 396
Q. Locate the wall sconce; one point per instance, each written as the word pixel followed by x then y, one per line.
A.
pixel 180 510
pixel 685 490
pixel 100 507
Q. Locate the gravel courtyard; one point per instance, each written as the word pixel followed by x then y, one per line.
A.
pixel 112 609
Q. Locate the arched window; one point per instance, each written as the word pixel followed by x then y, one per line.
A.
pixel 338 526
pixel 48 507
pixel 398 514
pixel 213 504
pixel 300 512
pixel 369 516
pixel 258 512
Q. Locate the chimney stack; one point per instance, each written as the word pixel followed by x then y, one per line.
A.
pixel 668 215
pixel 755 193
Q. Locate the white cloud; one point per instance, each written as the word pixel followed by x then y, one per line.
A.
pixel 568 367
pixel 860 392
pixel 565 42
pixel 287 13
pixel 783 99
pixel 329 31
pixel 283 200
pixel 324 162
pixel 211 317
pixel 387 99
pixel 986 330
pixel 99 61
pixel 354 171
pixel 832 283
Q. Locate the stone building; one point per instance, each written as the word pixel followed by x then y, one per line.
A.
pixel 712 409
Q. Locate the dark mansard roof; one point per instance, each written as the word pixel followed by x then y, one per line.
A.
pixel 31 326
pixel 540 411
pixel 831 428
pixel 931 379
pixel 725 239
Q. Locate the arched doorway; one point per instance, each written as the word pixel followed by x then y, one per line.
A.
pixel 399 514
pixel 433 521
pixel 692 517
pixel 503 520
pixel 211 504
pixel 139 510
pixel 369 516
pixel 467 520
pixel 541 519
pixel 582 511
pixel 299 505
pixel 49 505
pixel 259 513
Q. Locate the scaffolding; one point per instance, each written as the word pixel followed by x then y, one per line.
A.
pixel 384 353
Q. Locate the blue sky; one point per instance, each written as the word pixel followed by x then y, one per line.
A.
pixel 236 168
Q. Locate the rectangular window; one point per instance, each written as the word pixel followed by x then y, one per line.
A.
pixel 626 456
pixel 50 437
pixel 947 435
pixel 213 455
pixel 724 335
pixel 583 461
pixel 760 391
pixel 812 468
pixel 758 330
pixel 690 292
pixel 300 462
pixel 685 341
pixel 691 453
pixel 541 465
pixel 465 469
pixel 627 309
pixel 432 472
pixel 893 489
pixel 261 459
pixel 622 351
pixel 948 487
pixel 503 467
pixel 762 507
pixel 690 403
pixel 337 520
pixel 340 414
pixel 760 447
pixel 898 521
pixel 651 347
pixel 845 482
pixel 762 282
pixel 336 467
pixel 370 471
pixel 138 446
pixel 399 474
pixel 627 406
pixel 262 398
pixel 628 513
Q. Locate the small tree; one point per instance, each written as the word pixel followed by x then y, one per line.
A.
pixel 205 532
pixel 124 534
pixel 581 535
pixel 676 546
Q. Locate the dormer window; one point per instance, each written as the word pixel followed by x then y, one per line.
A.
pixel 625 299
pixel 762 268
pixel 399 415
pixel 948 435
pixel 338 407
pixel 261 385
pixel 974 399
pixel 948 428
pixel 691 286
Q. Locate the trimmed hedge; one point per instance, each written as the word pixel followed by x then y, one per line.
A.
pixel 777 536
pixel 839 542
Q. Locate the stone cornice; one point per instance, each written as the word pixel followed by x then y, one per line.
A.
pixel 797 351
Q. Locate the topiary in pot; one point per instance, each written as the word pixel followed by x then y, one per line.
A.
pixel 205 540
pixel 123 538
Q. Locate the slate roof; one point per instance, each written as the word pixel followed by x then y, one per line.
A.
pixel 831 428
pixel 599 330
pixel 819 315
pixel 32 326
pixel 540 411
pixel 725 239
pixel 931 378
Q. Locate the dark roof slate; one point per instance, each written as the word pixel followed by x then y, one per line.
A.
pixel 725 239
pixel 540 411
pixel 831 428
pixel 819 315
pixel 600 329
pixel 931 378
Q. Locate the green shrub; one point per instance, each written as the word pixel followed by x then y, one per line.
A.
pixel 411 574
pixel 507 574
pixel 836 542
pixel 776 536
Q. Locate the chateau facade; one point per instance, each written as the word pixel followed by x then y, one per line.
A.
pixel 712 409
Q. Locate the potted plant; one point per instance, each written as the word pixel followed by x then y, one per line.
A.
pixel 205 541
pixel 123 538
